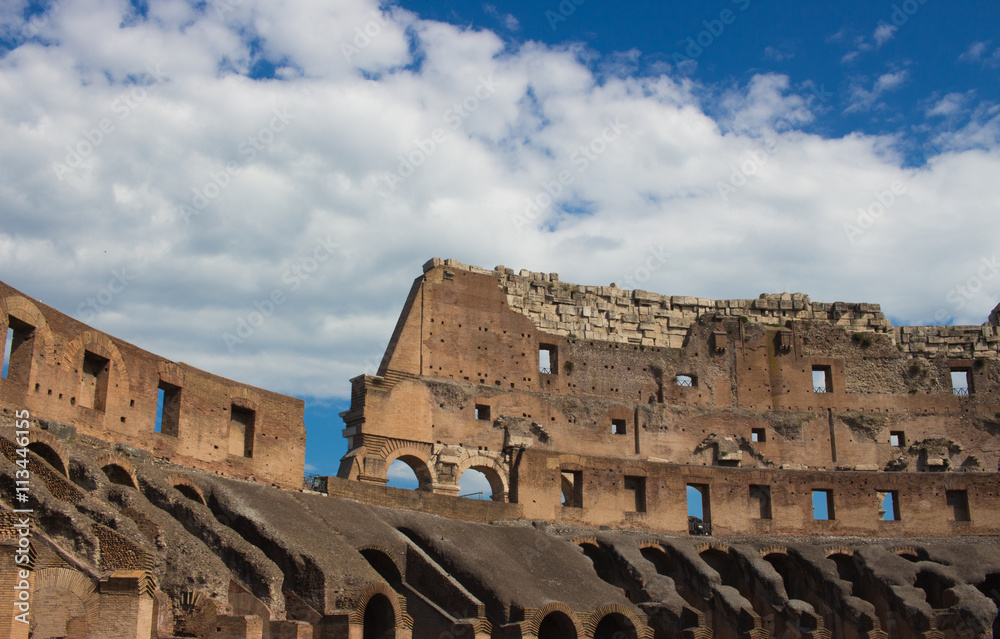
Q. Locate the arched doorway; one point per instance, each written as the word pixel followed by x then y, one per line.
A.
pixel 47 453
pixel 615 626
pixel 556 625
pixel 409 472
pixel 384 566
pixel 380 618
pixel 118 475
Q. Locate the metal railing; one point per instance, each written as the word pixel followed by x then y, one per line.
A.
pixel 820 389
pixel 547 371
pixel 960 391
pixel 684 381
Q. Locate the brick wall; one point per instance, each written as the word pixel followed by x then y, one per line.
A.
pixel 65 371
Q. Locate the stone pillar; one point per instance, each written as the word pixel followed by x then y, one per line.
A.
pixel 126 604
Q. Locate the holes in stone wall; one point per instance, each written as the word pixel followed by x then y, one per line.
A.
pixel 635 493
pixel 822 501
pixel 889 505
pixel 168 409
pixel 571 485
pixel 760 501
pixel 822 379
pixel 958 502
pixel 241 431
pixel 94 382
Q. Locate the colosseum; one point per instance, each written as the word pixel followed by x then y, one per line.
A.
pixel 659 466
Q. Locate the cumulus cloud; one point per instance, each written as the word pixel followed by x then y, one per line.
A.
pixel 234 161
pixel 980 52
pixel 883 33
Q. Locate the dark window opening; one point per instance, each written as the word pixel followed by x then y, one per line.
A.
pixel 556 625
pixel 383 565
pixel 241 431
pixel 889 505
pixel 482 411
pixel 687 380
pixel 547 359
pixel 168 409
pixel 379 619
pixel 96 370
pixel 958 501
pixel 897 438
pixel 635 490
pixel 618 427
pixel 758 435
pixel 18 350
pixel 760 501
pixel 572 488
pixel 961 382
pixel 822 504
pixel 699 509
pixel 822 378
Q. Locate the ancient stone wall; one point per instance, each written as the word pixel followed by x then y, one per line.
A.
pixel 486 363
pixel 64 371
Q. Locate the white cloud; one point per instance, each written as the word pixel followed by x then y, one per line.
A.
pixel 487 128
pixel 864 99
pixel 980 52
pixel 884 33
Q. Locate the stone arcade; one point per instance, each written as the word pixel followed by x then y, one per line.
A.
pixel 593 412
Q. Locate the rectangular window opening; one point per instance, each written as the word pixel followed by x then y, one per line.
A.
pixel 822 504
pixel 687 380
pixel 547 359
pixel 699 509
pixel 241 431
pixel 482 412
pixel 822 379
pixel 758 435
pixel 958 501
pixel 960 381
pixel 897 438
pixel 635 489
pixel 618 427
pixel 888 505
pixel 17 351
pixel 94 392
pixel 168 409
pixel 572 488
pixel 760 501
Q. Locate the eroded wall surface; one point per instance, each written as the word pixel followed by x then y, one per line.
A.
pixel 597 405
pixel 64 371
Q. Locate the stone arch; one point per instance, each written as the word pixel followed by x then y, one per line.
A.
pixel 102 345
pixel 909 553
pixel 554 620
pixel 50 449
pixel 494 472
pixel 398 603
pixel 773 550
pixel 188 488
pixel 712 545
pixel 381 560
pixel 118 469
pixel 244 398
pixel 25 310
pixel 419 461
pixel 840 550
pixel 68 580
pixel 608 610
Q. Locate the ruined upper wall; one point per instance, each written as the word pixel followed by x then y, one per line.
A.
pixel 612 314
pixel 67 372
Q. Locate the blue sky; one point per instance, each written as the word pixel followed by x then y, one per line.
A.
pixel 251 187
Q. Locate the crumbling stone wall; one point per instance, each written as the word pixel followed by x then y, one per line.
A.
pixel 489 363
pixel 67 372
